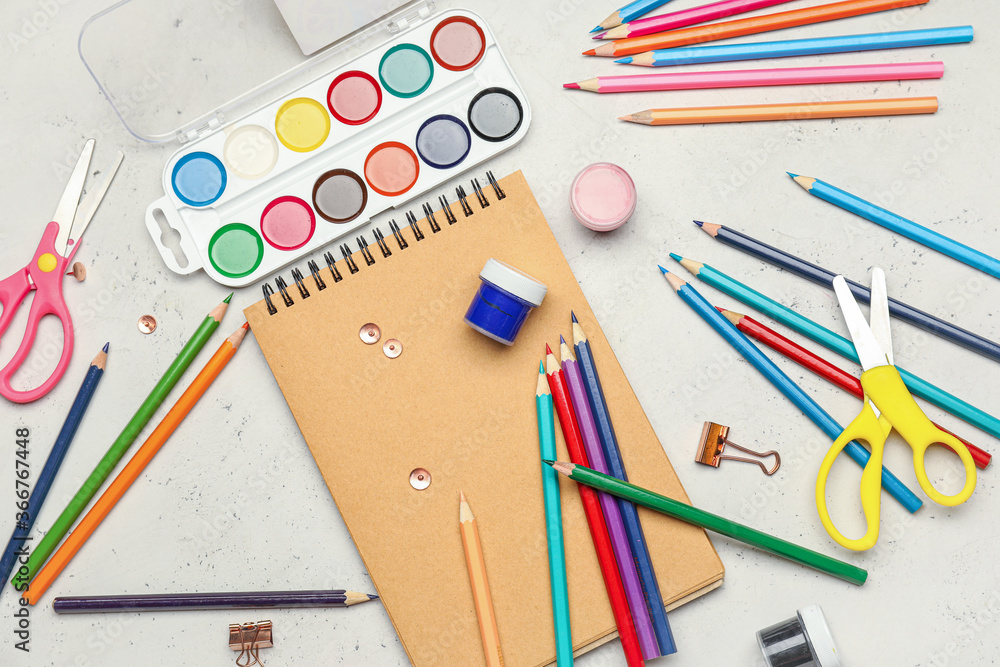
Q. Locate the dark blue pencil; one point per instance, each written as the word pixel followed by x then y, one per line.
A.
pixel 630 515
pixel 19 540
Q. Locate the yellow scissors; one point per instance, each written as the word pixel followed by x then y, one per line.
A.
pixel 887 405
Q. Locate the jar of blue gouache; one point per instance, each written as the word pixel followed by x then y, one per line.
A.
pixel 503 301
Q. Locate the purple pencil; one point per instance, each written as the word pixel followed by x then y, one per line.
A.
pixel 612 514
pixel 190 601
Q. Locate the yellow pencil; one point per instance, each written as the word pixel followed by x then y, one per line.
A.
pixel 480 584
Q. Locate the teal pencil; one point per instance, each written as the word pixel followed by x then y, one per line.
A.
pixel 897 223
pixel 553 521
pixel 836 343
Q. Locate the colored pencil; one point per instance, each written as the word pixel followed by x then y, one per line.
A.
pixel 642 616
pixel 713 522
pixel 747 26
pixel 900 225
pixel 746 113
pixel 838 344
pixel 720 53
pixel 480 583
pixel 629 12
pixel 738 78
pixel 64 554
pixel 684 18
pixel 121 444
pixel 783 383
pixel 825 277
pixel 592 510
pixel 17 546
pixel 553 522
pixel 203 601
pixel 823 368
pixel 616 467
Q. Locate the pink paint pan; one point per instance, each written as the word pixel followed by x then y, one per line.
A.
pixel 354 98
pixel 603 197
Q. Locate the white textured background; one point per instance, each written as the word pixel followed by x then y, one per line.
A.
pixel 234 501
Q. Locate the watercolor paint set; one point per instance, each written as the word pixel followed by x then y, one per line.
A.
pixel 367 125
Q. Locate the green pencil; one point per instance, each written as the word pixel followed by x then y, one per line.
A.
pixel 709 521
pixel 93 483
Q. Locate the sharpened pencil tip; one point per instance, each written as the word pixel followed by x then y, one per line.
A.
pixel 590 52
pixel 663 270
pixel 541 367
pixel 791 174
pixel 372 597
pixel 226 300
pixel 574 86
pixel 625 61
pixel 699 223
pixel 461 497
pixel 562 341
pixel 547 462
pixel 572 316
pixel 597 29
pixel 106 345
pixel 599 35
pixel 674 256
pixel 246 325
pixel 548 350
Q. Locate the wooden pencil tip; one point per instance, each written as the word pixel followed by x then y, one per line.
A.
pixel 461 497
pixel 246 325
pixel 573 86
pixel 562 341
pixel 226 300
pixel 600 35
pixel 699 223
pixel 352 598
pixel 572 317
pixel 792 175
pixel 547 462
pixel 691 265
pixel 590 52
pixel 674 280
pixel 662 270
pixel 806 182
pixel 677 258
pixel 541 367
pixel 548 350
pixel 627 60
pixel 627 118
pixel 106 345
pixel 564 352
pixel 596 28
pixel 465 514
pixel 734 318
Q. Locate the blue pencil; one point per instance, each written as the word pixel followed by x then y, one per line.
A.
pixel 553 522
pixel 786 386
pixel 900 225
pixel 616 468
pixel 694 55
pixel 629 12
pixel 25 520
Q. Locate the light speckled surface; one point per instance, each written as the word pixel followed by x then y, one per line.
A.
pixel 234 501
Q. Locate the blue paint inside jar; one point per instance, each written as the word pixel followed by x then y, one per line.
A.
pixel 198 179
pixel 503 302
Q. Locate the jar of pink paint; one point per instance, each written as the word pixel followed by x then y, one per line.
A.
pixel 603 197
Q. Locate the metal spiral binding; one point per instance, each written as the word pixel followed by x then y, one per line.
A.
pixel 345 250
pixel 412 219
pixel 365 252
pixel 297 275
pixel 314 269
pixel 365 249
pixel 383 246
pixel 403 245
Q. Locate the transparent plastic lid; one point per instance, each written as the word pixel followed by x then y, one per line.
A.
pixel 179 69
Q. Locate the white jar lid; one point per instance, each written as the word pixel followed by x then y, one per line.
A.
pixel 517 282
pixel 818 632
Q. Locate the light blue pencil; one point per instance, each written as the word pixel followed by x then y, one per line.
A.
pixel 890 483
pixel 839 344
pixel 897 223
pixel 694 55
pixel 629 12
pixel 553 522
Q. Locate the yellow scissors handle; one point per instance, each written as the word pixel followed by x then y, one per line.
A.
pixel 887 390
pixel 867 428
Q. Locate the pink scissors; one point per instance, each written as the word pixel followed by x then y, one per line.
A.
pixel 45 274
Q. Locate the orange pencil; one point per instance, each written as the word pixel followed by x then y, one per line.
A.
pixel 795 111
pixel 480 584
pixel 747 26
pixel 61 558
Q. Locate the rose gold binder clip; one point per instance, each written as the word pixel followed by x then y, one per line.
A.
pixel 248 639
pixel 715 437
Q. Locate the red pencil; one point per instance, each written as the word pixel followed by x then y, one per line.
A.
pixel 823 368
pixel 592 508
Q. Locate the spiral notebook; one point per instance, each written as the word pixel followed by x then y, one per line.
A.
pixel 433 395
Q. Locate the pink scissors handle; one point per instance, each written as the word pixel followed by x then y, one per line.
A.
pixel 47 269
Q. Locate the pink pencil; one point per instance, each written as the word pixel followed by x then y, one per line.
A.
pixel 693 16
pixel 760 77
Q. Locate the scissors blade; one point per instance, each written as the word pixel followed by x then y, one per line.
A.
pixel 870 353
pixel 88 207
pixel 879 313
pixel 66 211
